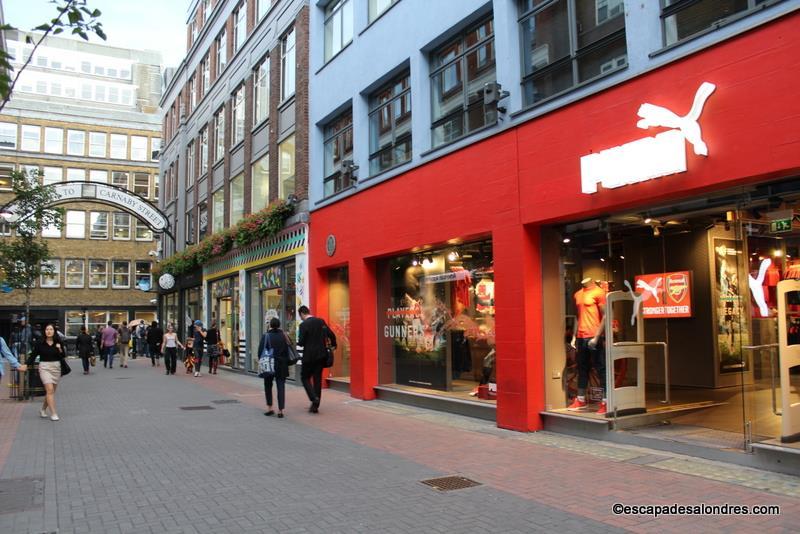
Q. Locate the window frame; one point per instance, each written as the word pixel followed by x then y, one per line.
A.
pixel 67 273
pixel 203 150
pixel 137 275
pixel 134 185
pixel 56 262
pixel 70 134
pixel 9 126
pixel 143 150
pixel 222 51
pixel 105 145
pixel 237 115
pixel 68 226
pixel 219 135
pixel 103 273
pixel 95 172
pixel 335 14
pixel 288 51
pixel 218 219
pixel 239 28
pixel 373 15
pixel 100 236
pixel 335 139
pixel 114 274
pixel 190 153
pixel 377 108
pixel 137 226
pixel 30 128
pixel 115 226
pixel 282 193
pixel 238 182
pixel 261 82
pixel 114 136
pixel 264 202
pixel 60 140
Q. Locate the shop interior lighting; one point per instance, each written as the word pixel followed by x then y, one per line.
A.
pixel 453 256
pixel 648 220
pixel 777 253
pixel 602 259
pixel 566 240
pixel 415 262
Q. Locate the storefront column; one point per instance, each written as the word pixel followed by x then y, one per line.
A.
pixel 520 357
pixel 363 330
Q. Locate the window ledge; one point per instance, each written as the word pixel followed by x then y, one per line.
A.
pixel 454 141
pixel 337 54
pixel 340 193
pixel 384 172
pixel 218 163
pixel 379 17
pixel 236 147
pixel 260 126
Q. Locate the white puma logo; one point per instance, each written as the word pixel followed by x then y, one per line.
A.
pixel 637 301
pixel 652 115
pixel 756 287
pixel 653 290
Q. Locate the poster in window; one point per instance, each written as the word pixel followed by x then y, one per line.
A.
pixel 732 326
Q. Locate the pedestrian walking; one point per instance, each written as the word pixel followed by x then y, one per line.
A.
pixel 124 340
pixel 212 342
pixel 141 340
pixel 109 338
pixel 171 344
pixel 50 352
pixel 155 339
pixel 84 344
pixel 22 340
pixel 276 340
pixel 7 354
pixel 188 355
pixel 98 340
pixel 315 337
pixel 197 346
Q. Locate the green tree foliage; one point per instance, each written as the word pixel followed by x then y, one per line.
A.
pixel 23 253
pixel 72 16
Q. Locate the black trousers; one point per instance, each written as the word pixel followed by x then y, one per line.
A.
pixel 280 383
pixel 170 359
pixel 311 376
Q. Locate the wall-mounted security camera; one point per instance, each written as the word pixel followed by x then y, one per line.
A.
pixel 153 254
pixel 492 95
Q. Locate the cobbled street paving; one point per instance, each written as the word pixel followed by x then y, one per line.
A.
pixel 126 458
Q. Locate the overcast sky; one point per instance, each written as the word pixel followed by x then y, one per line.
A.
pixel 142 24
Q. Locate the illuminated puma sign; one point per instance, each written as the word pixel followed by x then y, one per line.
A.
pixel 649 157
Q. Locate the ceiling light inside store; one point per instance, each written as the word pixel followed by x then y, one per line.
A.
pixel 777 253
pixel 566 240
pixel 622 257
pixel 414 262
pixel 648 220
pixel 453 256
pixel 602 259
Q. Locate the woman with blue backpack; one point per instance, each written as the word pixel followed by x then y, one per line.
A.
pixel 275 357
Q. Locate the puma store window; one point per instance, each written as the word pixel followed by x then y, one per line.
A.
pixel 688 312
pixel 436 321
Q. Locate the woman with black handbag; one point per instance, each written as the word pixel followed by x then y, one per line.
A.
pixel 52 356
pixel 276 340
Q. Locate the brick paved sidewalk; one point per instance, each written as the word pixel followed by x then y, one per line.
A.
pixel 126 458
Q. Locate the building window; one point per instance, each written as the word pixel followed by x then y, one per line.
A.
pixel 192 89
pixel 52 175
pixel 100 93
pixel 139 148
pixel 76 175
pixel 155 148
pixel 222 52
pixel 259 192
pixel 338 26
pixel 682 19
pixel 120 179
pixel 377 7
pixel 141 184
pixel 190 229
pixel 563 46
pixel 119 146
pixel 190 164
pixel 122 226
pixel 98 225
pixel 218 215
pixel 113 95
pixel 237 199
pixel 53 269
pixel 238 116
pixel 219 134
pixel 461 69
pixel 98 176
pixel 97 145
pixel 76 222
pixel 52 231
pixel 73 273
pixel 338 148
pixel 98 273
pixel 261 91
pixel 144 280
pixel 54 140
pixel 206 68
pixel 286 170
pixel 5 176
pixel 76 142
pixel 121 274
pixel 390 126
pixel 31 138
pixel 202 220
pixel 287 65
pixel 203 150
pixel 262 8
pixel 143 232
pixel 5 229
pixel 239 26
pixel 8 135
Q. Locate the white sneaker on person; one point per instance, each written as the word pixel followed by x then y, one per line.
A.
pixel 54 417
pixel 196 373
pixel 43 413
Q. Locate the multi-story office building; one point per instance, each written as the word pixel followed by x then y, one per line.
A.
pixel 474 163
pixel 235 123
pixel 86 112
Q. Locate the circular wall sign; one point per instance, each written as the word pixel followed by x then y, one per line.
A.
pixel 330 245
pixel 166 281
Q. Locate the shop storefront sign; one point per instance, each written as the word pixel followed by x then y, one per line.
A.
pixel 269 278
pixel 665 295
pixel 649 157
pixel 221 288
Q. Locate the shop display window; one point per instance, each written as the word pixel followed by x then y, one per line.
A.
pixel 225 311
pixel 436 320
pixel 272 294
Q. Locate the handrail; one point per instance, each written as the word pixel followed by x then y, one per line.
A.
pixel 772 355
pixel 663 345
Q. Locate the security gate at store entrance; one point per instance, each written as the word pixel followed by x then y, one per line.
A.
pixel 789 357
pixel 625 354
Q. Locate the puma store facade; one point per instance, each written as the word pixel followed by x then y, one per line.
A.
pixel 474 259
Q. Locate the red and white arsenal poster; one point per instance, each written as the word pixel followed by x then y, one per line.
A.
pixel 665 295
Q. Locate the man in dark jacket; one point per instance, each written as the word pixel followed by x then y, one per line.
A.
pixel 315 337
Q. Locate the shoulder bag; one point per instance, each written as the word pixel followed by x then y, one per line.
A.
pixel 292 351
pixel 65 368
pixel 266 361
pixel 328 349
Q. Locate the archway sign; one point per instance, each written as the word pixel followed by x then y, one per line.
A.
pixel 112 196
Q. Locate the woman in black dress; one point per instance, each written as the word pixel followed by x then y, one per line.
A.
pixel 212 342
pixel 50 351
pixel 155 339
pixel 85 347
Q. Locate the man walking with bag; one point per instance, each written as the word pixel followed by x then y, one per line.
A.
pixel 124 338
pixel 314 336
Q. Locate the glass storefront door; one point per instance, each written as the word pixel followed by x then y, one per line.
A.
pixel 192 309
pixel 225 311
pixel 272 294
pixel 339 319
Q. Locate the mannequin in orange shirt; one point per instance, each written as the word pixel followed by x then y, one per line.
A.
pixel 590 301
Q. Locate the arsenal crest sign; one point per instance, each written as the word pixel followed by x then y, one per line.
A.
pixel 665 294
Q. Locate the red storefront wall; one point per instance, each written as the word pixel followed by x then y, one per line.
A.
pixel 510 184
